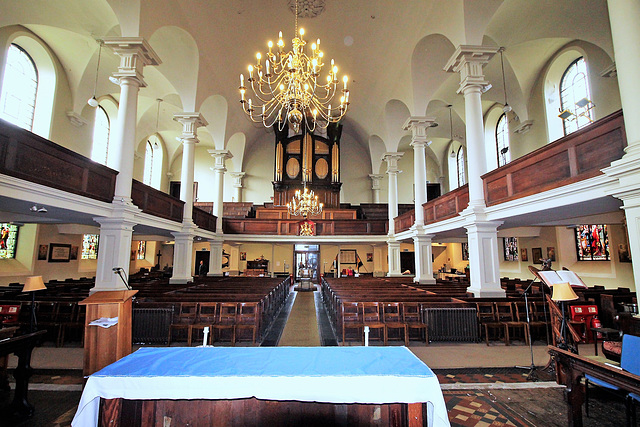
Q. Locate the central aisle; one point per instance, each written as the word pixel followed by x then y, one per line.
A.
pixel 301 329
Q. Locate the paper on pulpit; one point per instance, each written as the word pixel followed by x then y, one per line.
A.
pixel 105 322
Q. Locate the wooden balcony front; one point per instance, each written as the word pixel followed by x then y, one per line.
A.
pixel 156 203
pixel 446 206
pixel 405 221
pixel 575 157
pixel 291 227
pixel 283 213
pixel 27 156
pixel 204 219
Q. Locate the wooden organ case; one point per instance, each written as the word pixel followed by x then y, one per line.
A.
pixel 311 158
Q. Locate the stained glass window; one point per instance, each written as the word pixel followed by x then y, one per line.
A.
pixel 90 246
pixel 510 248
pixel 8 240
pixel 592 242
pixel 142 249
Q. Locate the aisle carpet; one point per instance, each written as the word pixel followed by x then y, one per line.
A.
pixel 301 329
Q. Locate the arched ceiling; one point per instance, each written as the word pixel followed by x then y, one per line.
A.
pixel 393 53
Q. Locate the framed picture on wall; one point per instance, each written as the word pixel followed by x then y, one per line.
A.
pixel 59 252
pixel 42 252
pixel 523 255
pixel 369 257
pixel 243 256
pixel 536 254
pixel 551 253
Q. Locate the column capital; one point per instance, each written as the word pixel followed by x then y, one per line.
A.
pixel 392 161
pixel 190 124
pixel 468 60
pixel 220 157
pixel 418 126
pixel 237 178
pixel 375 181
pixel 135 53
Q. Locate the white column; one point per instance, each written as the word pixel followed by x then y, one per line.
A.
pixel 393 252
pixel 484 259
pixel 134 54
pixel 237 185
pixel 380 254
pixel 219 168
pixel 418 127
pixel 215 257
pixel 392 171
pixel 625 33
pixel 468 61
pixel 234 259
pixel 115 247
pixel 375 187
pixel 423 259
pixel 183 255
pixel 189 137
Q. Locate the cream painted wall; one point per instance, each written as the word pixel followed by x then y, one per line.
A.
pixel 150 258
pixel 355 167
pixel 259 161
pixel 30 237
pixel 611 274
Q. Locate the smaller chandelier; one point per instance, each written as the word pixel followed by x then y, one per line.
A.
pixel 304 204
pixel 288 87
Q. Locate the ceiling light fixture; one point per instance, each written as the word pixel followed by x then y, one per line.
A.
pixel 304 203
pixel 40 209
pixel 289 89
pixel 506 107
pixel 93 102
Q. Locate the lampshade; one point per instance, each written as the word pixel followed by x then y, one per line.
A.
pixel 563 292
pixel 33 283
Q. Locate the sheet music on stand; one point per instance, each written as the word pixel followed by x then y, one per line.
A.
pixel 104 322
pixel 552 277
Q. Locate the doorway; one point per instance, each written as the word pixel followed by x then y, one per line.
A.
pixel 306 256
pixel 204 257
pixel 408 262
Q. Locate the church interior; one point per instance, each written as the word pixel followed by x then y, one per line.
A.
pixel 323 175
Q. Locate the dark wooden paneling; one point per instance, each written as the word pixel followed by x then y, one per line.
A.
pixel 155 202
pixel 405 221
pixel 573 158
pixel 27 156
pixel 447 205
pixel 204 219
pixel 257 412
pixel 290 227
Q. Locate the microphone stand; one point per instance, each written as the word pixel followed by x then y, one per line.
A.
pixel 118 271
pixel 532 368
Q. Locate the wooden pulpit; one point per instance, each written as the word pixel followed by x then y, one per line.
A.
pixel 103 346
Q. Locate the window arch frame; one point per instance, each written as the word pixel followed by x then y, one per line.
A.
pixel 502 140
pixel 152 167
pixel 460 167
pixel 94 155
pixel 587 115
pixel 32 102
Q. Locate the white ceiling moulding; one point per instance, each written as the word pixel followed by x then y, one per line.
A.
pixel 77 229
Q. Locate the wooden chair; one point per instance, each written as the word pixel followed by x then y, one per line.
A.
pixel 371 318
pixel 227 313
pixel 505 314
pixel 184 318
pixel 487 320
pixel 206 317
pixel 351 319
pixel 46 315
pixel 412 316
pixel 392 318
pixel 248 318
pixel 66 318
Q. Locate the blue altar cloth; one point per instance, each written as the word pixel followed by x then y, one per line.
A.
pixel 310 374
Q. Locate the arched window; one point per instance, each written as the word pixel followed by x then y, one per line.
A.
pixel 462 180
pixel 502 141
pixel 19 88
pixel 101 129
pixel 575 97
pixel 153 162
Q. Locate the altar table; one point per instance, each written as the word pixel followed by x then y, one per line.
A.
pixel 333 375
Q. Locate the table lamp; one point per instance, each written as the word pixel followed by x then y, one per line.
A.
pixel 33 284
pixel 563 292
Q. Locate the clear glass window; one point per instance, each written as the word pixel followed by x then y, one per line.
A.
pixel 101 131
pixel 502 141
pixel 575 97
pixel 462 179
pixel 19 88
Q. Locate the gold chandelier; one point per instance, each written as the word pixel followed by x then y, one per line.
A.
pixel 288 87
pixel 304 204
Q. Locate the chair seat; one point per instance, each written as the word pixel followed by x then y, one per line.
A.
pixel 601 383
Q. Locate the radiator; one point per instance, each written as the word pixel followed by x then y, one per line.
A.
pixel 151 325
pixel 452 324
